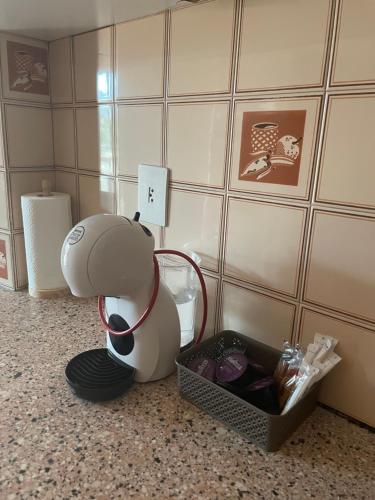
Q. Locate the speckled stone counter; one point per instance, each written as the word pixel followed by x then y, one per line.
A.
pixel 148 443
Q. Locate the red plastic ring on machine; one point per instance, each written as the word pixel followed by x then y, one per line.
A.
pixel 101 298
pixel 101 306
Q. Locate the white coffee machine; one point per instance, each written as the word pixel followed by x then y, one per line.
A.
pixel 113 257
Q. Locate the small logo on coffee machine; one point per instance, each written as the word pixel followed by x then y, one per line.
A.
pixel 76 235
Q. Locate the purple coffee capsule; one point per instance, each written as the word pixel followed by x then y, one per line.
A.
pixel 231 367
pixel 260 384
pixel 205 367
pixel 256 366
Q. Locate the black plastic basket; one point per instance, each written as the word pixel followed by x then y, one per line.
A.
pixel 261 428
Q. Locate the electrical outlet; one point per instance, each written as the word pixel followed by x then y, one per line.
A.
pixel 152 194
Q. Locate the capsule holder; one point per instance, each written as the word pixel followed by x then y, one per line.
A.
pixel 257 426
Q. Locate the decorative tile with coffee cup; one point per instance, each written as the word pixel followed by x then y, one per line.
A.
pixel 273 145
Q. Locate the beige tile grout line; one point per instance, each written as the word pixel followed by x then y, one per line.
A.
pixel 307 229
pixel 307 239
pixel 315 172
pixel 75 141
pixel 333 42
pixel 3 138
pixel 361 323
pixel 167 25
pixel 14 278
pixel 223 227
pixel 166 100
pixel 114 120
pixel 51 118
pixel 69 105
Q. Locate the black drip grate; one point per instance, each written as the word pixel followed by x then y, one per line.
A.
pixel 95 376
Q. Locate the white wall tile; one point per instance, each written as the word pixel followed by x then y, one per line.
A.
pixel 350 386
pixel 93 65
pixel 347 173
pixel 63 137
pixel 96 195
pixel 197 142
pixel 341 271
pixel 140 57
pixel 264 244
pixel 354 62
pixel 139 137
pixel 256 315
pixel 95 138
pixel 194 225
pixel 66 182
pixel 29 136
pixel 61 71
pixel 282 44
pixel 200 48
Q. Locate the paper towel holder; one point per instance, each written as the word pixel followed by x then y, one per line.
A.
pixel 43 248
pixel 46 187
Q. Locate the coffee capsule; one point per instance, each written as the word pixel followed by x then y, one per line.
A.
pixel 231 367
pixel 205 367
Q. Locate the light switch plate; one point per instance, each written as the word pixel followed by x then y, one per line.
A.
pixel 152 193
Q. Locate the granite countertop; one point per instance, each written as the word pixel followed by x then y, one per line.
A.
pixel 149 443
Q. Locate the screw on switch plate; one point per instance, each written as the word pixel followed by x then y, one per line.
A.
pixel 152 193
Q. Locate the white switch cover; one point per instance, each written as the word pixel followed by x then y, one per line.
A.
pixel 152 194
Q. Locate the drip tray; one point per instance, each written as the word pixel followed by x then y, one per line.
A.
pixel 95 376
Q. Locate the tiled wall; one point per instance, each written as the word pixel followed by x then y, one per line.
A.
pixel 287 236
pixel 26 147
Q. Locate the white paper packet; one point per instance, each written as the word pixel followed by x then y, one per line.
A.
pixel 306 374
pixel 326 366
pixel 327 345
pixel 311 352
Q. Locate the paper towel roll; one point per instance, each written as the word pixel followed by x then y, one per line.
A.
pixel 46 221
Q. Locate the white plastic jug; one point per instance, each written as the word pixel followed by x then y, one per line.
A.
pixel 182 281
